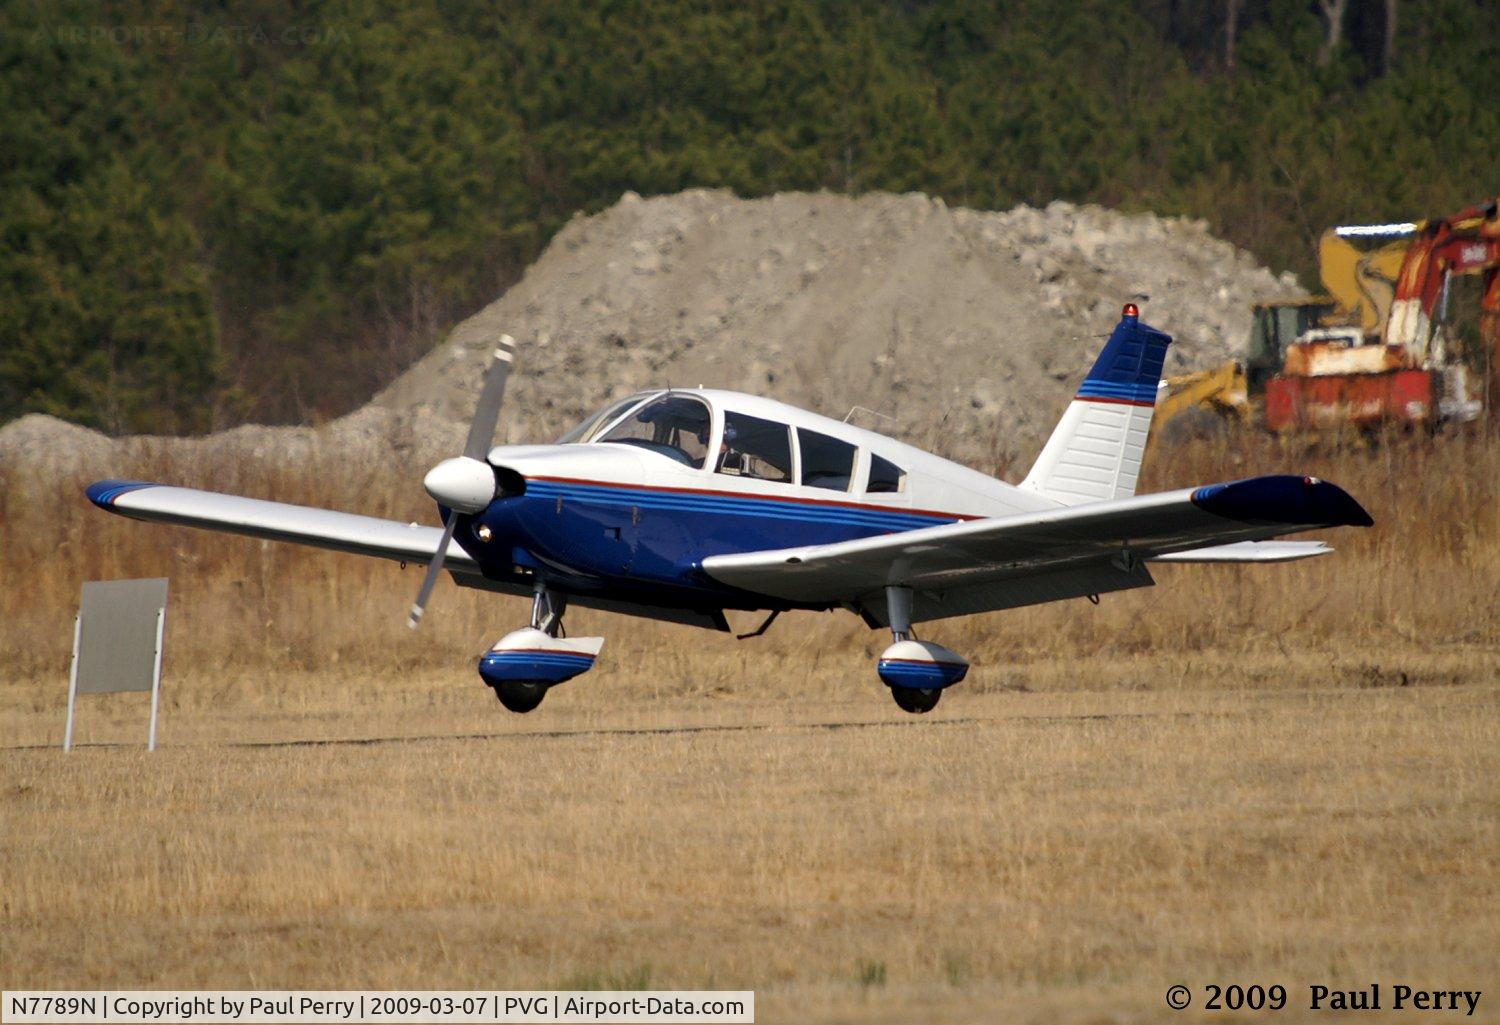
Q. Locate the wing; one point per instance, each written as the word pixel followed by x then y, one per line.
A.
pixel 278 521
pixel 342 532
pixel 979 565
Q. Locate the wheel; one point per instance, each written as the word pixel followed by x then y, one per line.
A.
pixel 520 695
pixel 917 701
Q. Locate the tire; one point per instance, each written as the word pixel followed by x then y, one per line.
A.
pixel 917 701
pixel 520 696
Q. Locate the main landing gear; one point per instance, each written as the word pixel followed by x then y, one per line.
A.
pixel 915 671
pixel 524 664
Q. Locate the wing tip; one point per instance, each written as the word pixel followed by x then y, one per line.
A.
pixel 1283 498
pixel 104 493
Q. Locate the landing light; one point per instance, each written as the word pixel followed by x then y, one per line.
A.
pixel 483 532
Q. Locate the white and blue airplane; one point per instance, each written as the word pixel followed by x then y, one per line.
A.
pixel 680 504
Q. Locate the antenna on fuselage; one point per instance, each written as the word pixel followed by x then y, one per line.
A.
pixel 867 409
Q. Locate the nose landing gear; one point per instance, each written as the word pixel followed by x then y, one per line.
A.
pixel 915 671
pixel 524 664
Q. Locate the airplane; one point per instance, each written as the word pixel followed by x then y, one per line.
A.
pixel 681 504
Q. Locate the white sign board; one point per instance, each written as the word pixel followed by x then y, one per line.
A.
pixel 117 643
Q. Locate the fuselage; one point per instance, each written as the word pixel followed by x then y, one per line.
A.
pixel 636 500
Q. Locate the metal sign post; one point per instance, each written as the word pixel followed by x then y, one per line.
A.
pixel 161 620
pixel 73 681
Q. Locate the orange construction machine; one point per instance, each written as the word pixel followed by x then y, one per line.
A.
pixel 1379 349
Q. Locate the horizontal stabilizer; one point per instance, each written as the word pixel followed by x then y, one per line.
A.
pixel 1250 551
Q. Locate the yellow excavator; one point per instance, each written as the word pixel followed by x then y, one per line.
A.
pixel 1375 348
pixel 1382 348
pixel 1361 283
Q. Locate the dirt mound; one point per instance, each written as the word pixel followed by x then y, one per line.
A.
pixel 969 329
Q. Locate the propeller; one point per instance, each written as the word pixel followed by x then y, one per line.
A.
pixel 466 483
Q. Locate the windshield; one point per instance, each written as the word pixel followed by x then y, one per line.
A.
pixel 597 421
pixel 675 426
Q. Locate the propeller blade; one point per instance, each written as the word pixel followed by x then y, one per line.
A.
pixel 481 437
pixel 487 411
pixel 433 569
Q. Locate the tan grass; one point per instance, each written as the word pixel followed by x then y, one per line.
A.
pixel 1428 574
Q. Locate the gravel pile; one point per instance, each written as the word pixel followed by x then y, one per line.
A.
pixel 970 330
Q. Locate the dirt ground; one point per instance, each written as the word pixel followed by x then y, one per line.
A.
pixel 1060 855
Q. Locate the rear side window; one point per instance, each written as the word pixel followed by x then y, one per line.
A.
pixel 885 476
pixel 752 447
pixel 826 462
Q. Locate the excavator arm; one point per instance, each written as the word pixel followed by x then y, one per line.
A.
pixel 1221 390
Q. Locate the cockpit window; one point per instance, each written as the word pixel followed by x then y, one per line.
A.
pixel 600 420
pixel 826 462
pixel 756 448
pixel 885 476
pixel 675 426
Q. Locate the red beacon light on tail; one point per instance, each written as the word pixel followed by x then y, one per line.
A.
pixel 1131 310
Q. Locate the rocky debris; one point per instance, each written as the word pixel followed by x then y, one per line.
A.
pixel 971 329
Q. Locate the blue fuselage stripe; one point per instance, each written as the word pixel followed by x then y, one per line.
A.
pixel 635 539
pixel 529 657
pixel 724 505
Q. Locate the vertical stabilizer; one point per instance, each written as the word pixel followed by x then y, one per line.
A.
pixel 1095 452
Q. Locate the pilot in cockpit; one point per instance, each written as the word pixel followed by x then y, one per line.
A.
pixel 730 460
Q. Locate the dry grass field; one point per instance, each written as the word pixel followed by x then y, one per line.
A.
pixel 1277 774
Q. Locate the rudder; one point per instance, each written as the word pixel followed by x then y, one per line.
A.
pixel 1095 452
